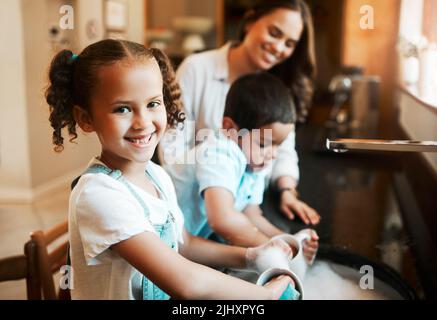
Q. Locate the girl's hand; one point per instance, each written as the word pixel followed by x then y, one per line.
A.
pixel 278 285
pixel 253 253
pixel 310 246
pixel 289 203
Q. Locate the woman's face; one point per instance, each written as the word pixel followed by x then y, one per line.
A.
pixel 273 37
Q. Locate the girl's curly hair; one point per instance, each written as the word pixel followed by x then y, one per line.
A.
pixel 72 80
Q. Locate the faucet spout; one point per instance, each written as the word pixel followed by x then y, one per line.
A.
pixel 343 145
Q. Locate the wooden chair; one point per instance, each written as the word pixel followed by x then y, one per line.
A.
pixel 49 263
pixel 23 267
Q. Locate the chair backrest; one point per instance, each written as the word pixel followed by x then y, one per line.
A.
pixel 23 266
pixel 49 263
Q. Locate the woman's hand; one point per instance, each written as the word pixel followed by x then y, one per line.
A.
pixel 310 246
pixel 289 203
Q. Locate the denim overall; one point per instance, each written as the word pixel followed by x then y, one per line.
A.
pixel 166 231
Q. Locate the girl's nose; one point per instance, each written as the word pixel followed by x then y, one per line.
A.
pixel 140 121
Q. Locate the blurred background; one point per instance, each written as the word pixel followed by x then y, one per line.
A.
pixel 377 81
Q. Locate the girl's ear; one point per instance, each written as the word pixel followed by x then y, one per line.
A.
pixel 83 119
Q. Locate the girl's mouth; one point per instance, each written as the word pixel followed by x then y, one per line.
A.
pixel 140 141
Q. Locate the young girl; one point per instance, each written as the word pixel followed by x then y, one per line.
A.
pixel 126 229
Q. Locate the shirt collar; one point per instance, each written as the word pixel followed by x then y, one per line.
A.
pixel 221 71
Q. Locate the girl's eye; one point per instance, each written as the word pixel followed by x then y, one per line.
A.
pixel 153 105
pixel 123 109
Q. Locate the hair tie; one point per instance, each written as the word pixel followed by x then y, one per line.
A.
pixel 74 57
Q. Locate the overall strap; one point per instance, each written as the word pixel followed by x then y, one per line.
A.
pixel 155 181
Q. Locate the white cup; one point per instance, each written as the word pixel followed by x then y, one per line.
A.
pixel 296 263
pixel 271 273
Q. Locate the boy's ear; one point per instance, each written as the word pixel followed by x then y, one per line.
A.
pixel 83 119
pixel 228 123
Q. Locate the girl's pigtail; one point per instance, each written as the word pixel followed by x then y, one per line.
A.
pixel 171 90
pixel 59 96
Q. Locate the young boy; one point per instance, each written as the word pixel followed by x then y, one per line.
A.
pixel 221 187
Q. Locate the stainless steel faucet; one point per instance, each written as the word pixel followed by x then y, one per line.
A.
pixel 343 145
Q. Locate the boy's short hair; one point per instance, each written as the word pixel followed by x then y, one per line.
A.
pixel 259 99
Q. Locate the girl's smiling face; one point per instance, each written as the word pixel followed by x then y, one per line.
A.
pixel 128 112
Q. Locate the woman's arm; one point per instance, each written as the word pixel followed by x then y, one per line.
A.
pixel 286 164
pixel 255 214
pixel 290 204
pixel 286 177
pixel 232 225
pixel 183 279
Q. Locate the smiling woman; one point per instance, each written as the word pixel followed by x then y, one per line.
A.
pixel 267 42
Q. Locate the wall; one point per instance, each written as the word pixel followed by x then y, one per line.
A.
pixel 159 16
pixel 374 49
pixel 29 167
pixel 14 153
pixel 135 31
pixel 419 122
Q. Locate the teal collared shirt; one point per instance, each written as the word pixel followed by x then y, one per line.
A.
pixel 219 163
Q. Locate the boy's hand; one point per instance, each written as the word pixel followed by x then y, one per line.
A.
pixel 253 253
pixel 289 203
pixel 310 246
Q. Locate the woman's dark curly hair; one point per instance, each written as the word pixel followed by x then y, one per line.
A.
pixel 299 70
pixel 72 80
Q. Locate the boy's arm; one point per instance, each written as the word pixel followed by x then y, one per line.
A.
pixel 214 254
pixel 230 224
pixel 211 253
pixel 255 215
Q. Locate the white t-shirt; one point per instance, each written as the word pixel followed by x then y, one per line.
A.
pixel 103 212
pixel 203 79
